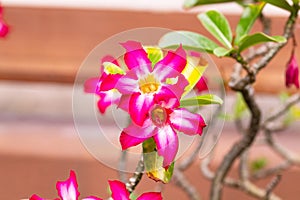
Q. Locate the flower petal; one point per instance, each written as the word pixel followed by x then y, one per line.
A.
pixel 173 62
pixel 91 85
pixel 178 88
pixel 292 72
pixel 201 84
pixel 128 83
pixel 119 191
pixel 109 58
pixel 167 144
pixel 3 29
pixel 135 55
pixel 67 190
pixel 109 82
pixel 134 135
pixel 108 98
pixel 139 105
pixel 150 196
pixel 124 102
pixel 166 96
pixel 187 122
pixel 35 197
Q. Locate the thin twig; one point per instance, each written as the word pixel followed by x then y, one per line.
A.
pixel 137 176
pixel 272 185
pixel 271 171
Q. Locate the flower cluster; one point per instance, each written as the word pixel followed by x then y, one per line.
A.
pixel 150 91
pixel 68 190
pixel 3 26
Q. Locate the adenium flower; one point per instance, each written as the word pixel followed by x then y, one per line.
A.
pixel 142 84
pixel 108 96
pixel 119 192
pixel 201 85
pixel 292 72
pixel 163 122
pixel 3 26
pixel 67 190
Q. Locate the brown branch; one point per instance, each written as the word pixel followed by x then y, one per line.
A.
pixel 272 185
pixel 137 176
pixel 271 171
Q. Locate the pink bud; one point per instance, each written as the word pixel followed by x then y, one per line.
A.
pixel 3 29
pixel 292 72
pixel 201 85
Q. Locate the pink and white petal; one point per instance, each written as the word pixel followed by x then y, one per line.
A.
pixel 187 122
pixel 150 196
pixel 107 99
pixel 134 135
pixel 109 58
pixel 124 102
pixel 173 62
pixel 109 82
pixel 128 83
pixel 201 85
pixel 119 191
pixel 91 198
pixel 68 190
pixel 166 97
pixel 167 144
pixel 91 85
pixel 178 88
pixel 139 105
pixel 35 197
pixel 135 55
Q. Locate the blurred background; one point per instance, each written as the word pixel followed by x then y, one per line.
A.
pixel 39 58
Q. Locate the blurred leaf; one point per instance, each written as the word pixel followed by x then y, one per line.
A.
pixel 111 68
pixel 220 51
pixel 295 111
pixel 193 72
pixel 251 40
pixel 205 99
pixel 281 4
pixel 133 196
pixel 193 3
pixel 250 14
pixel 283 96
pixel 258 164
pixel 154 163
pixel 240 106
pixel 216 23
pixel 189 40
pixel 155 54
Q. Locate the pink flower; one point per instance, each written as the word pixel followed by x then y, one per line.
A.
pixel 142 84
pixel 3 26
pixel 163 122
pixel 201 85
pixel 119 192
pixel 67 190
pixel 292 72
pixel 108 96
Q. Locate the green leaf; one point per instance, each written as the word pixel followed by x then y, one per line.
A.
pixel 189 40
pixel 258 164
pixel 250 14
pixel 205 99
pixel 218 26
pixel 240 107
pixel 154 163
pixel 251 40
pixel 220 51
pixel 193 3
pixel 281 4
pixel 155 54
pixel 111 68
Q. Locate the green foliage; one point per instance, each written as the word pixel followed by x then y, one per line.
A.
pixel 216 23
pixel 205 99
pixel 193 3
pixel 249 15
pixel 251 40
pixel 220 51
pixel 258 164
pixel 189 40
pixel 240 107
pixel 281 4
pixel 154 163
pixel 155 54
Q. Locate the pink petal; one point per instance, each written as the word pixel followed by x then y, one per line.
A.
pixel 108 98
pixel 35 197
pixel 67 190
pixel 91 198
pixel 179 87
pixel 165 95
pixel 201 84
pixel 119 191
pixel 187 122
pixel 124 102
pixel 139 105
pixel 3 29
pixel 128 83
pixel 110 81
pixel 292 72
pixel 150 196
pixel 134 135
pixel 91 85
pixel 173 62
pixel 135 55
pixel 167 144
pixel 109 58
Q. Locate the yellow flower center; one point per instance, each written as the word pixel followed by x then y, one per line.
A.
pixel 148 84
pixel 158 115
